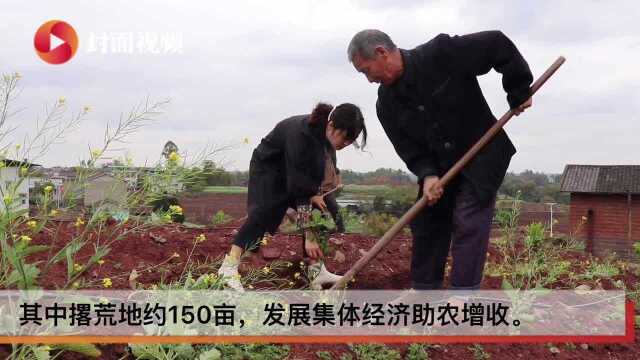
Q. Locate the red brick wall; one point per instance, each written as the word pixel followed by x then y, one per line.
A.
pixel 201 207
pixel 606 229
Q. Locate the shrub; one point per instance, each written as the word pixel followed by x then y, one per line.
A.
pixel 221 218
pixel 377 224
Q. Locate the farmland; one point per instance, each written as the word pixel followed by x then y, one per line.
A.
pixel 171 262
pixel 142 230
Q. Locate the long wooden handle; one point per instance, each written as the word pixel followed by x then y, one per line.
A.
pixel 448 176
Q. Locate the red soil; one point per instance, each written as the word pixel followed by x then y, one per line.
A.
pixel 390 270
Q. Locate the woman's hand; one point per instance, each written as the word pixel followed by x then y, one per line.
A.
pixel 311 246
pixel 318 201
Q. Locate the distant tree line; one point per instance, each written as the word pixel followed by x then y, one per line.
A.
pixel 533 186
pixel 381 176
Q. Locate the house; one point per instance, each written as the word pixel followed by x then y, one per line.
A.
pixel 14 183
pixel 104 187
pixel 60 178
pixel 604 206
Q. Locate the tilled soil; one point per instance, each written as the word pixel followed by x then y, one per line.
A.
pixel 390 270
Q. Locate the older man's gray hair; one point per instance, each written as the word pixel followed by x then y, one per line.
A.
pixel 364 44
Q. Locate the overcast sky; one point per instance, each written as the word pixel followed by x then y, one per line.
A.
pixel 244 66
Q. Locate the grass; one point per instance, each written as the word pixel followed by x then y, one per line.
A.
pixel 366 189
pixel 225 189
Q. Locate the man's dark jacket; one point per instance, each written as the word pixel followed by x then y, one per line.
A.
pixel 286 169
pixel 436 111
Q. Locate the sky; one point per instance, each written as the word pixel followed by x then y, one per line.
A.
pixel 232 70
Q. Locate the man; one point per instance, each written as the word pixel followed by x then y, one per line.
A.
pixel 433 110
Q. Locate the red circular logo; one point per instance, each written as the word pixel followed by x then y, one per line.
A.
pixel 63 37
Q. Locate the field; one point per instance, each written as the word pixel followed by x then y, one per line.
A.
pixel 226 189
pixel 161 263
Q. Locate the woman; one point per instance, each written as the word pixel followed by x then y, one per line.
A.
pixel 286 170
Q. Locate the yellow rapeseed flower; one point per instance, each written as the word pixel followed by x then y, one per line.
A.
pixel 54 212
pixel 176 209
pixel 106 282
pixel 201 238
pixel 100 262
pixel 25 238
pixel 77 267
pixel 266 270
pixel 174 156
pixel 79 222
pixel 62 100
pixel 48 188
pixel 32 224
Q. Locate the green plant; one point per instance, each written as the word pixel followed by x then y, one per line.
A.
pixel 375 352
pixel 220 218
pixel 601 270
pixel 478 352
pixel 163 351
pixel 37 352
pixel 167 205
pixel 353 222
pixel 534 235
pixel 377 224
pixel 416 352
pixel 320 227
pixel 324 355
pixel 254 351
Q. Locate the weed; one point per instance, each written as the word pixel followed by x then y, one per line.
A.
pixel 375 352
pixel 324 355
pixel 416 352
pixel 220 218
pixel 478 352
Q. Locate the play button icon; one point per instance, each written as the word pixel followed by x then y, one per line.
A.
pixel 56 42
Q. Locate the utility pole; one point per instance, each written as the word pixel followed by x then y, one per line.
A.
pixel 551 218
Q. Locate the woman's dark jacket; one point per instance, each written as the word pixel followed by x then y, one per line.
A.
pixel 286 169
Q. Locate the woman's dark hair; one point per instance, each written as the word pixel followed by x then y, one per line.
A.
pixel 345 116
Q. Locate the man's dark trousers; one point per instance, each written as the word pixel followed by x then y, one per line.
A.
pixel 459 221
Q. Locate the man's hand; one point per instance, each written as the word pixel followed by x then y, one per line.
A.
pixel 432 189
pixel 520 109
pixel 311 246
pixel 318 201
